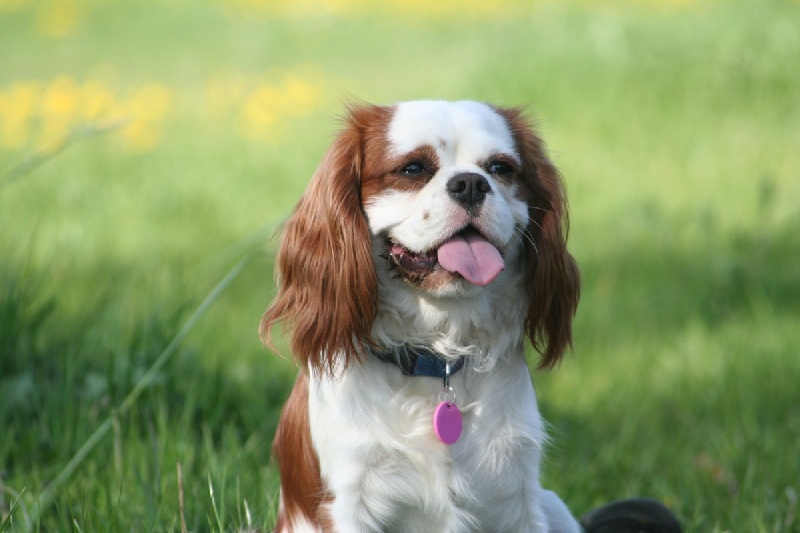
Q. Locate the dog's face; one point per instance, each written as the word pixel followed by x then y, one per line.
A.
pixel 442 200
pixel 447 207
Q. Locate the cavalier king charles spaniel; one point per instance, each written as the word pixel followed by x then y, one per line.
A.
pixel 430 243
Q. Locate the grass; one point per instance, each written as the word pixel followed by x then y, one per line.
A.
pixel 675 125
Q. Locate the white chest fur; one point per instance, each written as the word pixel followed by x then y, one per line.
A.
pixel 379 456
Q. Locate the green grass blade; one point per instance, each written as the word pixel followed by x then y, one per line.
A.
pixel 45 499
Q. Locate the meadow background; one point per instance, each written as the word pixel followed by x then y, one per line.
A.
pixel 149 146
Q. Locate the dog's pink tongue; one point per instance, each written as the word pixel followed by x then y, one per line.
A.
pixel 472 256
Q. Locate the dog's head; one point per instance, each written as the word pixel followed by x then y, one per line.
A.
pixel 441 202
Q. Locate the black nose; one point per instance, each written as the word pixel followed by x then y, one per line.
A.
pixel 468 189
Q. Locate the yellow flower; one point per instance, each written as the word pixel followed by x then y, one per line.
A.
pixel 145 111
pixel 260 111
pixel 141 134
pixel 266 106
pixel 18 108
pixel 57 113
pixel 60 98
pixel 299 96
pixel 97 103
pixel 22 98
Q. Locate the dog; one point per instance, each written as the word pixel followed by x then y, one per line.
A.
pixel 428 246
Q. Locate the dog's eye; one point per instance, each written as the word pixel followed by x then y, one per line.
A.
pixel 414 169
pixel 499 168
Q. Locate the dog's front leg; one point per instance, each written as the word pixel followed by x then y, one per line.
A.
pixel 559 518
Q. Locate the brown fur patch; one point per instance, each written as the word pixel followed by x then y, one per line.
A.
pixel 553 280
pixel 303 492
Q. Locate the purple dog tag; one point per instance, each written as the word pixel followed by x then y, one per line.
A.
pixel 447 422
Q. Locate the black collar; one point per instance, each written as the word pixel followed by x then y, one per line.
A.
pixel 418 361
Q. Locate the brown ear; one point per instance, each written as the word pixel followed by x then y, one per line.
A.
pixel 328 285
pixel 553 277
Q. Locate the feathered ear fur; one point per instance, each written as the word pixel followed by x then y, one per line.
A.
pixel 553 279
pixel 328 285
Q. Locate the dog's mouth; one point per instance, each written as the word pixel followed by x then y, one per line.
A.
pixel 467 253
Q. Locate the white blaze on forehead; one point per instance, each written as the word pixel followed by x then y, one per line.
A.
pixel 461 132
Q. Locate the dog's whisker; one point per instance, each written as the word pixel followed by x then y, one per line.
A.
pixel 526 234
pixel 533 220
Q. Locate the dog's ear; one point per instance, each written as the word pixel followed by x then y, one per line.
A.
pixel 327 292
pixel 553 279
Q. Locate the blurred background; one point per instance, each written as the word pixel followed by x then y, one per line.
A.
pixel 146 147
